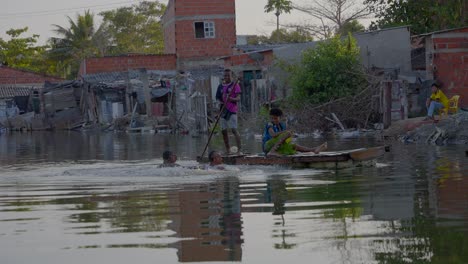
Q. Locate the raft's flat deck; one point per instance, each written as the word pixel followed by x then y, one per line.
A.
pixel 328 159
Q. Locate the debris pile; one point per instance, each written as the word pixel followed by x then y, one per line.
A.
pixel 450 130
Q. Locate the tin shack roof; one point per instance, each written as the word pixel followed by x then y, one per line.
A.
pixel 11 92
pixel 112 77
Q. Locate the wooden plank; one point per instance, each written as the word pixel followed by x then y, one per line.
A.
pixel 146 129
pixel 367 154
pixel 289 160
pixel 323 160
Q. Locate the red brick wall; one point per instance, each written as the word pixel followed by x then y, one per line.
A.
pixel 221 45
pixel 124 63
pixel 451 60
pixel 179 28
pixel 12 76
pixel 244 59
pixel 204 7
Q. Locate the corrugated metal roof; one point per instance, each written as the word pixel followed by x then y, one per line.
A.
pixel 205 73
pixel 439 31
pixel 260 47
pixel 119 78
pixel 111 77
pixel 373 32
pixel 10 92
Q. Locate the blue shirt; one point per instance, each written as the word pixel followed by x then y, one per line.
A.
pixel 266 133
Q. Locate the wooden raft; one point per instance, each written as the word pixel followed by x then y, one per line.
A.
pixel 324 160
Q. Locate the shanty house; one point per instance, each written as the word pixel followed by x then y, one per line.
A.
pixel 443 57
pixel 14 101
pixel 21 94
pixel 196 33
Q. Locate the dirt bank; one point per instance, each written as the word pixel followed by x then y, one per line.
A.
pixel 451 129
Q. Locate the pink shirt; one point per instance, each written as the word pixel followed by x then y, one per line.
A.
pixel 231 106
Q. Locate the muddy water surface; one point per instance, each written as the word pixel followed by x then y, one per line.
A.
pixel 79 198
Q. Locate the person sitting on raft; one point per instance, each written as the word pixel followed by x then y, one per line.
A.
pixel 277 139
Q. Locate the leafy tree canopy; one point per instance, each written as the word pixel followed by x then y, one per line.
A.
pixel 23 53
pixel 422 15
pixel 82 39
pixel 351 27
pixel 279 6
pixel 136 29
pixel 329 71
pixel 283 36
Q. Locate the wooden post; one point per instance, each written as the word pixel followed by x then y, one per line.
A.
pixel 146 91
pixel 387 103
pixel 128 93
pixel 268 84
pixel 253 96
pixel 205 119
pixel 405 100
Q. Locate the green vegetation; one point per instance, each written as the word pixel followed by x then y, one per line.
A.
pixel 279 6
pixel 23 52
pixel 77 42
pixel 136 29
pixel 422 15
pixel 329 71
pixel 283 36
pixel 351 27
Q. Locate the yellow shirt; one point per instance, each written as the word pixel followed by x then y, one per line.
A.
pixel 440 97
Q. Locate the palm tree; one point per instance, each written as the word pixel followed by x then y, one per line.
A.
pixel 79 41
pixel 280 6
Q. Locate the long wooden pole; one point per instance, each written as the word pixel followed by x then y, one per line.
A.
pixel 217 120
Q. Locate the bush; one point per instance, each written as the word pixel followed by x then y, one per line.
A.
pixel 329 71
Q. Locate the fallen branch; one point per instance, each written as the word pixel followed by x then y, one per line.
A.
pixel 338 121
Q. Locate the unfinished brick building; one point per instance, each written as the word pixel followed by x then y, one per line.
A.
pixel 199 31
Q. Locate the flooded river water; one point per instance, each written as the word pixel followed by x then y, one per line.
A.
pixel 100 198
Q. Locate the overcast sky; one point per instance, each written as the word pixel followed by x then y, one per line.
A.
pixel 39 15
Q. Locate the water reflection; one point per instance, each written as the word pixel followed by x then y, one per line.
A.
pixel 66 146
pixel 413 207
pixel 210 222
pixel 61 146
pixel 437 230
pixel 277 194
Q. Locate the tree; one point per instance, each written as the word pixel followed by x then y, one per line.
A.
pixel 136 29
pixel 22 53
pixel 422 15
pixel 328 71
pixel 81 40
pixel 351 27
pixel 283 36
pixel 332 14
pixel 279 6
pixel 292 36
